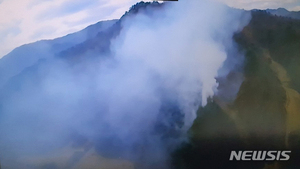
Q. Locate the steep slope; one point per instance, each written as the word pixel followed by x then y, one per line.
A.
pixel 265 113
pixel 28 55
pixel 279 39
pixel 100 44
pixel 292 106
pixel 72 48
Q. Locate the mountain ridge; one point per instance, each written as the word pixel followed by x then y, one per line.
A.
pixel 44 49
pixel 284 13
pixel 258 116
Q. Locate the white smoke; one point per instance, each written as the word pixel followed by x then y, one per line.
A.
pixel 161 63
pixel 184 45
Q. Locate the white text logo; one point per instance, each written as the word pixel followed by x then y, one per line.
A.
pixel 260 155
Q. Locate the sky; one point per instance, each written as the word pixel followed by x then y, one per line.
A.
pixel 26 21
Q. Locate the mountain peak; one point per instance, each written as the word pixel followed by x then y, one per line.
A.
pixel 142 7
pixel 284 12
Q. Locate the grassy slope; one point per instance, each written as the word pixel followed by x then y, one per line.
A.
pixel 278 40
pixel 266 112
pixel 292 105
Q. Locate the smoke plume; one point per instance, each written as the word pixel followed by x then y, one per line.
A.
pixel 136 102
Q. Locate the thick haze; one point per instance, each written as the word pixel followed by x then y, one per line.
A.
pixel 138 102
pixel 26 21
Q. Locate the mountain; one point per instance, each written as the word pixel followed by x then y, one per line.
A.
pixel 95 39
pixel 264 115
pixel 27 55
pixel 284 13
pixel 266 112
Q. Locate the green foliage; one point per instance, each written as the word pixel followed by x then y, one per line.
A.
pixel 280 36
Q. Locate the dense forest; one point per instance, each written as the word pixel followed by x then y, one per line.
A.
pixel 265 114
